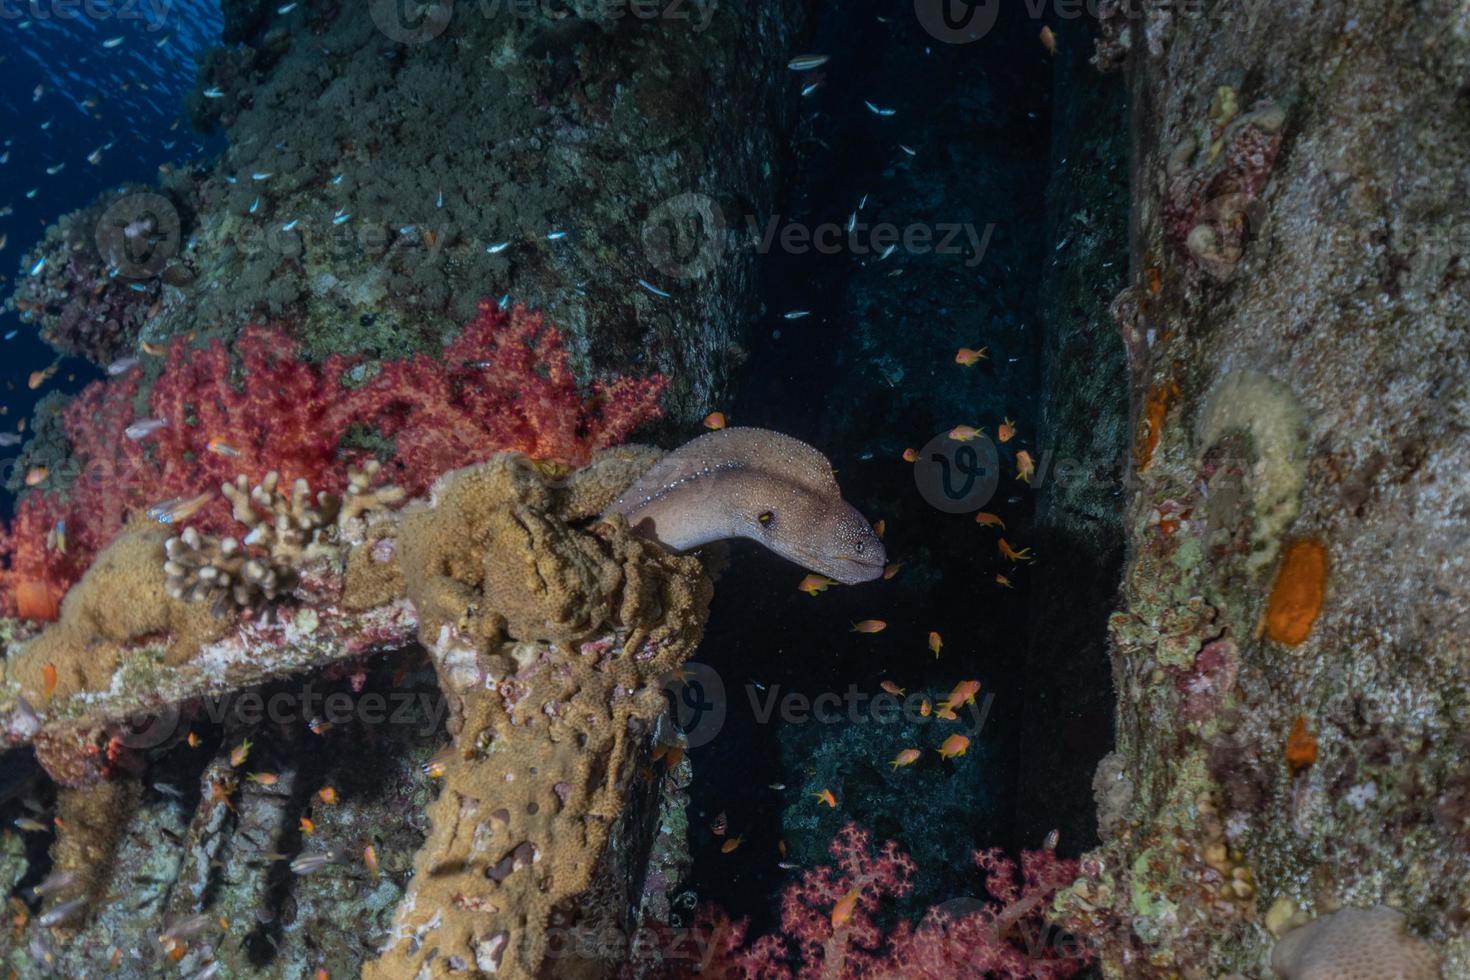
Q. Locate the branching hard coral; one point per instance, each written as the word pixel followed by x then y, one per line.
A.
pixel 285 533
pixel 216 415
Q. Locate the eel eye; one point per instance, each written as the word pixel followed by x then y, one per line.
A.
pixel 858 547
pixel 765 517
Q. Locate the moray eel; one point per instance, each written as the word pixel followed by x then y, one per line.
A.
pixel 756 484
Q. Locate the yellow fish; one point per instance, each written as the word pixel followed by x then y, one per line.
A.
pixel 814 584
pixel 967 356
pixel 905 758
pixel 964 433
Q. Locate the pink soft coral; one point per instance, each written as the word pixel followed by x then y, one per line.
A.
pixel 504 385
pixel 1005 937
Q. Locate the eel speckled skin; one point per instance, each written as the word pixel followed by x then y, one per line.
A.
pixel 756 484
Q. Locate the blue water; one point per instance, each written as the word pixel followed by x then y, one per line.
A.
pixel 65 94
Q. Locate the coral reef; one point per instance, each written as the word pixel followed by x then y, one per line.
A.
pixel 1287 667
pixel 554 691
pixel 830 923
pixel 216 416
pixel 1354 944
pixel 104 271
pixel 326 211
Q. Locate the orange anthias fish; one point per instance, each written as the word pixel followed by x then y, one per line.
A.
pixel 814 584
pixel 956 744
pixel 891 569
pixel 879 527
pixel 731 844
pixel 911 455
pixel 966 356
pixel 1049 39
pixel 892 688
pixel 964 693
pixel 869 626
pixel 989 520
pixel 328 795
pixel 825 796
pixel 1002 580
pixel 1011 554
pixel 936 643
pixel 370 859
pixel 964 433
pixel 220 447
pixel 843 910
pixel 38 378
pixel 924 708
pixel 48 679
pixel 37 475
pixel 1025 466
pixel 308 826
pixel 1007 430
pixel 240 753
pixel 905 758
pixel 714 420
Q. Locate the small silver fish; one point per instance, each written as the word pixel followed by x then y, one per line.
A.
pixel 337 179
pixel 53 171
pixel 113 42
pixel 40 264
pixel 806 62
pixel 122 365
pixel 887 251
pixel 305 864
pixel 10 439
pixel 60 913
pixel 291 225
pixel 144 428
pixel 341 219
pixel 187 927
pixel 95 157
pixel 652 288
pixel 810 88
pixel 285 8
pixel 555 236
pixel 909 150
pixel 878 110
pixel 255 205
pixel 262 175
pixel 214 93
pixel 796 314
pixel 56 881
pixel 497 248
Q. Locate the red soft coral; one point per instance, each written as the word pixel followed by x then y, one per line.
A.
pixel 1007 936
pixel 504 385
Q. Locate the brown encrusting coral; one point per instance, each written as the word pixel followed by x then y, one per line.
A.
pixel 552 632
pixel 553 642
